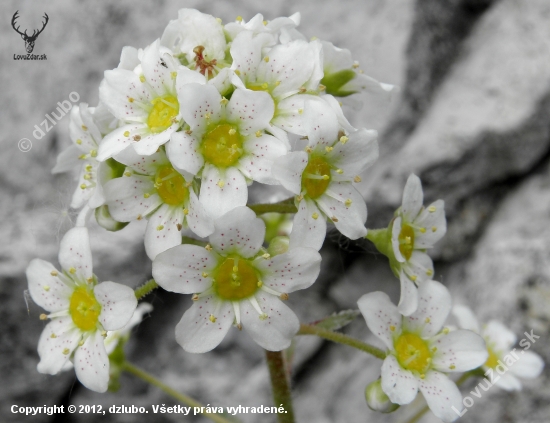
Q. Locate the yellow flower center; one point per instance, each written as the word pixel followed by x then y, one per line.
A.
pixel 413 353
pixel 171 186
pixel 236 279
pixel 406 241
pixel 84 308
pixel 222 145
pixel 316 177
pixel 492 360
pixel 164 110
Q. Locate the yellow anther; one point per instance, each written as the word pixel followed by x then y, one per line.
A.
pixel 137 137
pixel 334 219
pixel 82 157
pixel 434 349
pixel 408 240
pixel 232 131
pixel 54 273
pixel 208 247
pixel 160 227
pixel 128 173
pixel 87 177
pixel 207 115
pixel 239 326
pixel 277 83
pixel 46 288
pixel 43 317
pixel 179 226
pixel 224 101
pixel 104 333
pixel 239 18
pixel 266 59
pixel 81 342
pixel 84 128
pixel 189 132
pixel 265 86
pixel 445 331
pixel 221 184
pixel 130 99
pixel 237 72
pixel 413 278
pixel 452 367
pixel 434 228
pixel 283 296
pixel 258 134
pixel 266 256
pixel 146 195
pixel 83 186
pixel 72 270
pixel 264 22
pixel 195 297
pixel 313 38
pixel 300 111
pixel 329 149
pixel 325 177
pixel 357 179
pixel 260 284
pixel 53 336
pixel 429 272
pixel 90 280
pixel 186 211
pixel 93 153
pixel 173 74
pixel 235 269
pixel 66 351
pixel 204 274
pixel 88 168
pixel 315 216
pixel 392 328
pixel 302 90
pixel 431 209
pixel 212 318
pixel 139 217
pixel 355 65
pixel 344 139
pixel 339 171
pixel 308 149
pixel 79 141
pixel 427 320
pixel 348 202
pixel 322 87
pixel 422 376
pixel 423 230
pixel 142 78
pixel 299 198
pixel 263 316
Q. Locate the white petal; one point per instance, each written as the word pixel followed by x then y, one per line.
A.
pixel 408 302
pixel 289 115
pixel 75 253
pixel 118 303
pixel 162 230
pixel 459 351
pixel 116 141
pixel 288 170
pixel 257 162
pixel 180 269
pixel 337 108
pixel 200 104
pixel 246 51
pixel 197 218
pixel 420 265
pixel 82 195
pixel 275 332
pixel 399 384
pixel 466 318
pixel 381 316
pixel 68 160
pixel 442 395
pixel 187 76
pixel 91 363
pixel 146 165
pixel 498 336
pixel 50 350
pixel 291 271
pixel 412 198
pixel 84 135
pixel 238 231
pixel 250 110
pixel 320 124
pixel 222 190
pixel 183 151
pixel 506 381
pixel 157 75
pixel 350 219
pixel 434 305
pixel 529 365
pixel 118 87
pixel 358 153
pixel 222 81
pixel 128 58
pixel 48 291
pixel 308 231
pixel 126 199
pixel 196 333
pixel 150 142
pixel 395 231
pixel 434 223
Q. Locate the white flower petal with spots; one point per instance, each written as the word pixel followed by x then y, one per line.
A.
pixel 434 305
pixel 91 363
pixel 118 303
pixel 163 230
pixel 75 254
pixel 442 395
pixel 54 351
pixel 399 385
pixel 309 226
pixel 381 316
pixel 47 287
pixel 457 350
pixel 288 170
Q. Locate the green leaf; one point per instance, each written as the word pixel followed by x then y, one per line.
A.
pixel 338 320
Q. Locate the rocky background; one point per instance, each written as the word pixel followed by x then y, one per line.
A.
pixel 472 119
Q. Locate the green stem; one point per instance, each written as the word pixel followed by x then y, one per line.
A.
pixel 285 206
pixel 130 368
pixel 281 385
pixel 341 339
pixel 424 410
pixel 145 289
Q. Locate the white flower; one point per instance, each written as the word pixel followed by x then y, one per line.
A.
pixel 257 25
pixel 236 283
pixel 415 229
pixel 144 99
pixel 112 339
pixel 322 177
pixel 500 340
pixel 81 310
pixel 421 351
pixel 226 144
pixel 86 136
pixel 151 188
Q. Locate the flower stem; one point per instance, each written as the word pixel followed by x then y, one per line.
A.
pixel 285 206
pixel 130 368
pixel 146 288
pixel 341 339
pixel 424 410
pixel 281 385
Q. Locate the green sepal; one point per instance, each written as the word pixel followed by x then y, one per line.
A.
pixel 338 320
pixel 381 238
pixel 106 221
pixel 116 362
pixel 335 81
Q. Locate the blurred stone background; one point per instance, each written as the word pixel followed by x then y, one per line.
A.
pixel 472 120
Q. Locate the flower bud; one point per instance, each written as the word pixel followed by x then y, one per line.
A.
pixel 278 245
pixel 377 400
pixel 105 220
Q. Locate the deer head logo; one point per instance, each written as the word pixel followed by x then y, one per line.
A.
pixel 29 39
